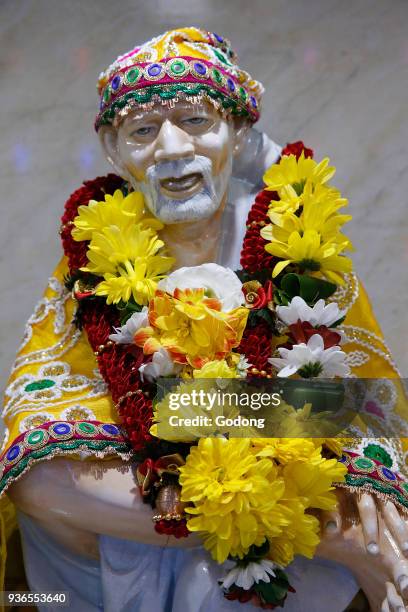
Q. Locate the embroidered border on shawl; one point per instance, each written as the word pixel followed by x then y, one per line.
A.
pixel 367 339
pixel 368 475
pixel 61 438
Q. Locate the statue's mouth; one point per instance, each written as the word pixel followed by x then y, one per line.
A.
pixel 184 184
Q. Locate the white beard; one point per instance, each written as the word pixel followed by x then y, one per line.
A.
pixel 201 205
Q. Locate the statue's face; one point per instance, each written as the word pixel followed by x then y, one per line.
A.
pixel 180 158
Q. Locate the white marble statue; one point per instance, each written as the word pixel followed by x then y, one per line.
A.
pixel 85 528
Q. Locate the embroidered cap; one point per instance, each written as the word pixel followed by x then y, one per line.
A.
pixel 185 63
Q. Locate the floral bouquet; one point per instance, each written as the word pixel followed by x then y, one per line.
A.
pixel 254 501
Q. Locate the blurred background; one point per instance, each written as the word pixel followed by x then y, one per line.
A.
pixel 335 74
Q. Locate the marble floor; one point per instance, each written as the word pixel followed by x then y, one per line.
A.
pixel 336 76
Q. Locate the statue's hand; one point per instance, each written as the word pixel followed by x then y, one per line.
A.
pixel 370 537
pixel 370 509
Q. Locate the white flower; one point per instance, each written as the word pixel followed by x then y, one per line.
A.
pixel 320 314
pixel 244 577
pixel 126 333
pixel 218 281
pixel 242 366
pixel 160 365
pixel 325 363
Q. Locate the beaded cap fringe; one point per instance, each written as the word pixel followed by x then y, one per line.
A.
pixel 169 103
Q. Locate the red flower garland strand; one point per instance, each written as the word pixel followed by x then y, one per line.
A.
pixel 256 341
pixel 118 364
pixel 254 258
pixel 90 190
pixel 256 347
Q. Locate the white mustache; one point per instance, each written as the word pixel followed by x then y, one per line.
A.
pixel 179 168
pixel 200 205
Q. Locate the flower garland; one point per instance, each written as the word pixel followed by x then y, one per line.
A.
pixel 247 497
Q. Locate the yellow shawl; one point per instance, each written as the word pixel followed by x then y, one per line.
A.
pixel 55 381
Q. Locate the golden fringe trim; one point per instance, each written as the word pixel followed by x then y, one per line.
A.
pixel 99 454
pixel 169 103
pixel 367 488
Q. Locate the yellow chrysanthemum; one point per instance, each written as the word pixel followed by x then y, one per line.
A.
pixel 117 209
pixel 233 495
pixel 138 280
pixel 334 445
pixel 241 492
pixel 191 327
pixel 300 537
pixel 129 262
pixel 290 201
pixel 309 482
pixel 306 224
pixel 215 369
pixel 190 421
pixel 284 450
pixel 318 212
pixel 113 247
pixel 291 223
pixel 286 425
pixel 297 172
pixel 193 422
pixel 312 253
pixel 312 480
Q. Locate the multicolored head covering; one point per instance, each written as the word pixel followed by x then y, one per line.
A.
pixel 187 62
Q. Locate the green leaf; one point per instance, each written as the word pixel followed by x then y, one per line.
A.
pixel 262 314
pixel 338 322
pixel 254 554
pixel 281 299
pixel 275 591
pixel 262 276
pixel 309 288
pixel 127 309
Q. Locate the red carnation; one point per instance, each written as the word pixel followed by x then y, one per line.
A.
pixel 297 148
pixel 254 258
pixel 98 320
pixel 302 331
pixel 260 207
pixel 256 346
pixel 136 414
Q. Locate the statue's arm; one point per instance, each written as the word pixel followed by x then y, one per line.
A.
pixel 369 530
pixel 70 497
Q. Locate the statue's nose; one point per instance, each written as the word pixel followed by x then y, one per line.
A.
pixel 172 143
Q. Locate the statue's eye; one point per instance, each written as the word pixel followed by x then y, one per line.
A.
pixel 195 125
pixel 143 131
pixel 195 121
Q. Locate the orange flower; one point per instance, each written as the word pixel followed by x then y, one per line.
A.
pixel 191 326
